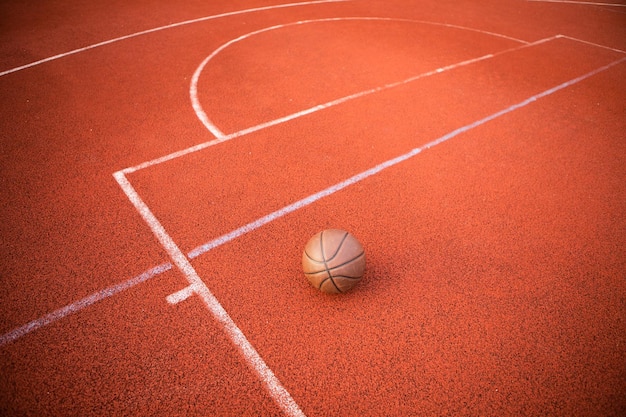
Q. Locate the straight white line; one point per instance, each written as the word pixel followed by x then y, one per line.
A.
pixel 372 171
pixel 592 44
pixel 252 357
pixel 173 25
pixel 181 295
pixel 586 3
pixel 87 301
pixel 221 137
pixel 352 97
pixel 81 304
pixel 108 292
pixel 193 88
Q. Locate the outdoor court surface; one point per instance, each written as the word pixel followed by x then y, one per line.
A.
pixel 163 165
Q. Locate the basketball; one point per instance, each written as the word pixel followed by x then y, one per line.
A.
pixel 333 261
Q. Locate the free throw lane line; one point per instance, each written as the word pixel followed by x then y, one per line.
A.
pixel 280 395
pixel 222 137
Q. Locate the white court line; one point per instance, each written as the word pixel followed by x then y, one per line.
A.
pixel 221 136
pixel 586 3
pixel 81 304
pixel 372 171
pixel 592 44
pixel 252 357
pixel 207 297
pixel 157 29
pixel 181 295
pixel 202 290
pixel 108 292
pixel 60 313
pixel 277 391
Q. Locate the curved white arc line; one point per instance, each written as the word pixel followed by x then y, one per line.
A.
pixel 193 89
pixel 157 29
pixel 195 103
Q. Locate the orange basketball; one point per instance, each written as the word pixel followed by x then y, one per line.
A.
pixel 333 261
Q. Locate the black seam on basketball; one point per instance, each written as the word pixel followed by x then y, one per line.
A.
pixel 330 276
pixel 322 245
pixel 338 247
pixel 333 281
pixel 314 260
pixel 322 249
pixel 322 283
pixel 316 272
pixel 345 276
pixel 347 262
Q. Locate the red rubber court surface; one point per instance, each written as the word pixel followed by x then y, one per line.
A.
pixel 163 166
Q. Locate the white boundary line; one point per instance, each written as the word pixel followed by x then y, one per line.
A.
pixel 267 377
pixel 281 396
pixel 252 357
pixel 365 174
pixel 592 44
pixel 81 304
pixel 585 3
pixel 220 136
pixel 157 29
pixel 115 289
pixel 74 307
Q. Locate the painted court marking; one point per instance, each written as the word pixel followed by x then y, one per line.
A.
pixel 110 291
pixel 181 295
pixel 89 300
pixel 592 44
pixel 197 286
pixel 378 168
pixel 221 136
pixel 585 3
pixel 251 356
pixel 84 303
pixel 115 289
pixel 157 29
